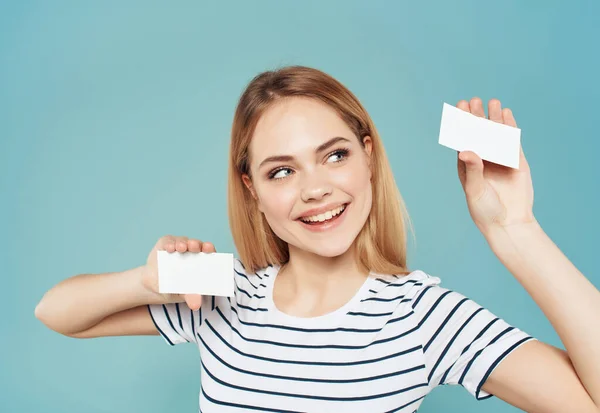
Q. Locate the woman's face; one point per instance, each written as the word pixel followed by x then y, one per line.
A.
pixel 310 176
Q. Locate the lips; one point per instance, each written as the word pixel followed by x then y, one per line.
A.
pixel 313 223
pixel 324 217
pixel 327 224
pixel 321 210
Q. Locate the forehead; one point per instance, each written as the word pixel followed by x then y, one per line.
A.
pixel 294 126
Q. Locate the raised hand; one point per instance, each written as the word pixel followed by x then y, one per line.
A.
pixel 497 196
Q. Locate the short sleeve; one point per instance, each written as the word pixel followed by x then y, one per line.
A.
pixel 462 341
pixel 176 322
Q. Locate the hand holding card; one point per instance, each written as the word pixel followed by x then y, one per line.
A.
pixel 182 269
pixel 492 141
pixel 491 164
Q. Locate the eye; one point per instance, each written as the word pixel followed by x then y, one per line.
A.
pixel 341 154
pixel 336 156
pixel 279 173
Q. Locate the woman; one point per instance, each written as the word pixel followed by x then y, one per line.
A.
pixel 326 315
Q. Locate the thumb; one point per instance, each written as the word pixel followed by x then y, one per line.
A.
pixel 474 181
pixel 193 301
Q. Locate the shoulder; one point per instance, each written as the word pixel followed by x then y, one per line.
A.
pixel 406 288
pixel 251 288
pixel 239 271
pixel 395 295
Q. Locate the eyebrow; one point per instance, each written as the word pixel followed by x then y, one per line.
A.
pixel 319 149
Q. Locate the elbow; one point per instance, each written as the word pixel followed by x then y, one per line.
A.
pixel 44 307
pixel 42 313
pixel 39 311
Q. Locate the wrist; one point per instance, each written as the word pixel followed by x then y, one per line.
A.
pixel 147 282
pixel 510 242
pixel 145 295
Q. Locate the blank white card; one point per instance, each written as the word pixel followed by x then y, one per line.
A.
pixel 195 273
pixel 492 141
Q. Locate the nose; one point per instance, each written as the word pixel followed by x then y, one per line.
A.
pixel 315 188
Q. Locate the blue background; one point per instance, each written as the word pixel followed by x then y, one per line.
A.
pixel 114 128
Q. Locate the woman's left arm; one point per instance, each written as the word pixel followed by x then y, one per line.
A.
pixel 535 377
pixel 537 374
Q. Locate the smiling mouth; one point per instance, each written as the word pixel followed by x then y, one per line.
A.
pixel 324 218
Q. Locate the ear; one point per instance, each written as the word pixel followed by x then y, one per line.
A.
pixel 368 144
pixel 248 183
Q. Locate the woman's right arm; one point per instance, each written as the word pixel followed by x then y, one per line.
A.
pixel 95 305
pixel 114 304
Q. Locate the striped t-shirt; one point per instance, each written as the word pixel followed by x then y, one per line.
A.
pixel 383 351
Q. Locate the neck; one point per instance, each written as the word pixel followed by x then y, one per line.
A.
pixel 307 272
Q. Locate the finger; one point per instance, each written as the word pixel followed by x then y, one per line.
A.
pixel 194 245
pixel 461 170
pixel 193 301
pixel 477 107
pixel 170 246
pixel 208 247
pixel 474 181
pixel 508 117
pixel 495 110
pixel 181 244
pixel 463 105
pixel 164 242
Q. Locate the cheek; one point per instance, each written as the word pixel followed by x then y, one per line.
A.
pixel 353 179
pixel 277 202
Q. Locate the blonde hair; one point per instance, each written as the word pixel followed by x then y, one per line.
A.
pixel 381 243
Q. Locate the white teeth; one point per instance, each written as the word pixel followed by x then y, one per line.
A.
pixel 325 216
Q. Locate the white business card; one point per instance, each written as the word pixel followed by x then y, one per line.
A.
pixel 195 273
pixel 492 141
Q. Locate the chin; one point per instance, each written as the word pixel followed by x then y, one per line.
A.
pixel 331 250
pixel 332 246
